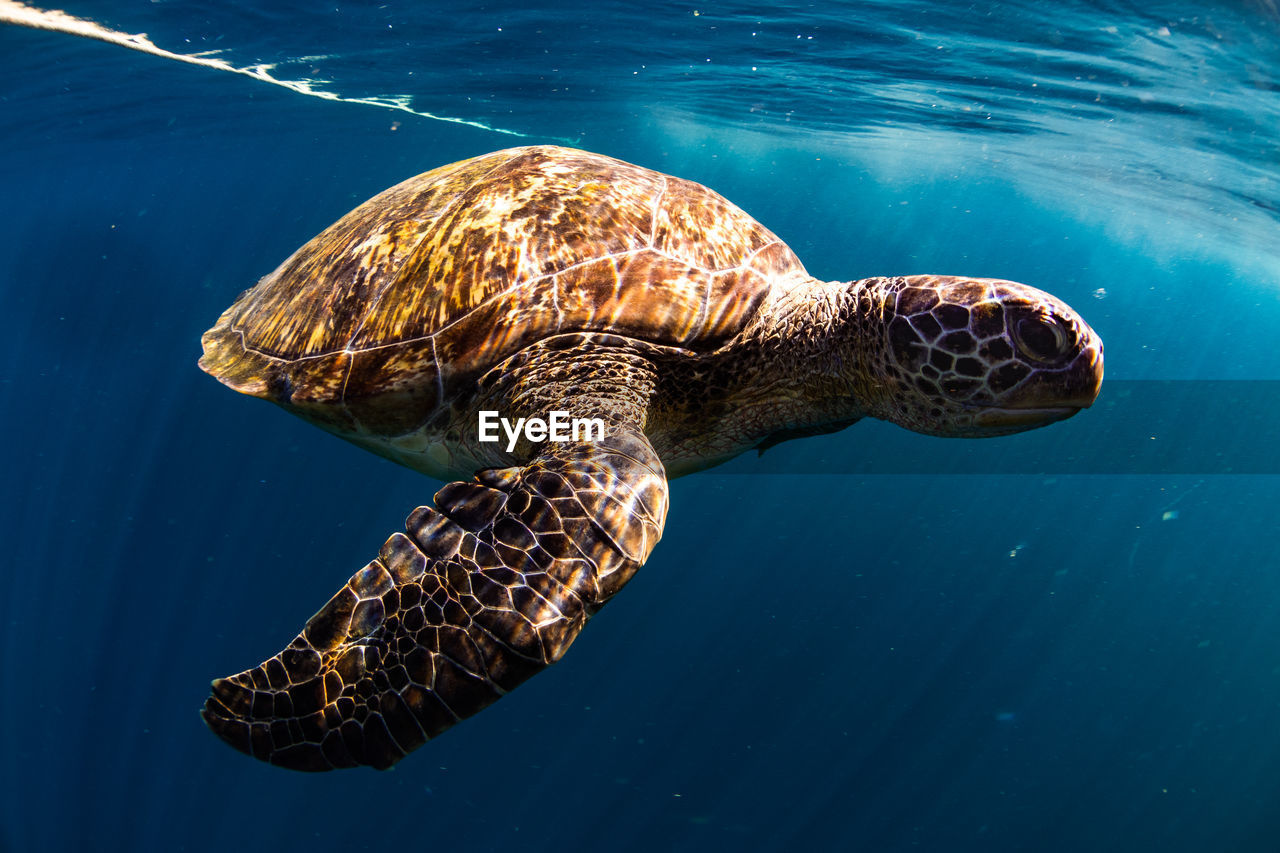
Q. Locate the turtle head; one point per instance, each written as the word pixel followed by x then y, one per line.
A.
pixel 979 357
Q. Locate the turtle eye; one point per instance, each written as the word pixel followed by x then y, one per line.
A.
pixel 1043 339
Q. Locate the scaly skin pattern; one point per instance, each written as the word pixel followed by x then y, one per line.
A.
pixel 538 280
pixel 972 357
pixel 477 595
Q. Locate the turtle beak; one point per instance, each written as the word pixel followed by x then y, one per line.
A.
pixel 1051 396
pixel 1019 419
pixel 1090 372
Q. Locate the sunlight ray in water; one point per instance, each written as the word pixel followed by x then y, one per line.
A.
pixel 12 12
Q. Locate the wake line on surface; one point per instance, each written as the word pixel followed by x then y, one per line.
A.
pixel 12 12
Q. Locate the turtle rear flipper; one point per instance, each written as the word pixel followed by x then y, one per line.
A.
pixel 480 593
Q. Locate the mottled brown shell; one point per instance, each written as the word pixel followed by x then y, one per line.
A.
pixel 390 311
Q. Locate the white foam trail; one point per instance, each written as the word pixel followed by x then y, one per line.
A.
pixel 12 12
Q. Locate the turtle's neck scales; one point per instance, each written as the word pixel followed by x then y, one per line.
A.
pixel 817 344
pixel 801 367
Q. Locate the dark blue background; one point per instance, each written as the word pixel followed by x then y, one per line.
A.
pixel 1029 657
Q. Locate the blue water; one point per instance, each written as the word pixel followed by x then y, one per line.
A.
pixel 943 651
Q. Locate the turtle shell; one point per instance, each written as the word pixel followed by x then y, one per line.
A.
pixel 407 300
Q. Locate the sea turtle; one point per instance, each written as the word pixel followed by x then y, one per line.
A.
pixel 540 283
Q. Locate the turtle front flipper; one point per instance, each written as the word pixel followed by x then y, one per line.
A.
pixel 480 593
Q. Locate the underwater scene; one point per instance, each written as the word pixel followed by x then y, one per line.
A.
pixel 872 639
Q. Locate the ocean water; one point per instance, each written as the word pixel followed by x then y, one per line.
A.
pixel 1061 641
